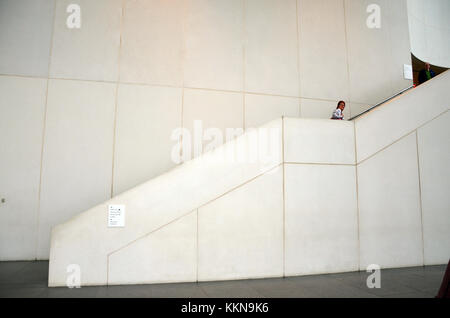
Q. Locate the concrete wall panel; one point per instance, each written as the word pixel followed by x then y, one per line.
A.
pixel 434 156
pixel 214 44
pixel 146 118
pixel 152 42
pixel 260 109
pixel 171 257
pixel 321 219
pixel 319 141
pixel 389 207
pixel 271 62
pixel 92 51
pixel 77 158
pixel 243 215
pixel 25 36
pixel 22 113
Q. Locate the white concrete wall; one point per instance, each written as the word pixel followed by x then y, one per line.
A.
pixel 434 185
pixel 153 205
pixel 78 130
pixel 106 97
pixel 321 222
pixel 430 30
pixel 321 206
pixel 389 207
pixel 21 147
pixel 400 148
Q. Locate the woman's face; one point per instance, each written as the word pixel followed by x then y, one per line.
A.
pixel 341 105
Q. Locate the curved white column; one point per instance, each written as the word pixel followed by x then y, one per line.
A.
pixel 430 31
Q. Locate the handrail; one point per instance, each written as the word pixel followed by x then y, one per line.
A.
pixel 384 101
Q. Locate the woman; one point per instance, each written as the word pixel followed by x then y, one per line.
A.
pixel 339 111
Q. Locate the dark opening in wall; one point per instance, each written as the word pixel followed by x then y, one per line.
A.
pixel 419 65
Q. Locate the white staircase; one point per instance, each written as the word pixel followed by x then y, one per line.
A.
pixel 328 196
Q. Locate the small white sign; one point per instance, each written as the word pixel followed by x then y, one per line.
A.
pixel 407 72
pixel 116 215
